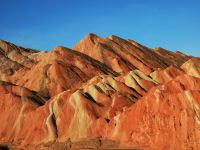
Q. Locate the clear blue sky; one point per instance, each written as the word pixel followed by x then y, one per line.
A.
pixel 43 24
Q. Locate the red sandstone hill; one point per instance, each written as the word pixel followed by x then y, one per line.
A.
pixel 104 93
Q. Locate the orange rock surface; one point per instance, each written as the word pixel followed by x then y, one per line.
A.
pixel 124 55
pixel 106 93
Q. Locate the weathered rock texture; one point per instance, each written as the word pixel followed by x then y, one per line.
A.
pixel 124 55
pixel 107 93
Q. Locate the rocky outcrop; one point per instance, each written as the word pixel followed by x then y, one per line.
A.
pixel 173 58
pixel 170 111
pixel 192 67
pixel 165 75
pixel 107 93
pixel 124 55
pixel 54 72
pixel 16 54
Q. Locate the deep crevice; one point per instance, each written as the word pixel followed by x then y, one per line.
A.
pixel 138 82
pixel 107 120
pixel 36 100
pixel 88 96
pixel 35 96
pixel 4 147
pixel 135 92
pixel 54 123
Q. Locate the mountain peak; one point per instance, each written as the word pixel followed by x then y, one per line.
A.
pixel 124 55
pixel 91 37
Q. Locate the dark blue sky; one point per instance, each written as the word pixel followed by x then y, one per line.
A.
pixel 43 24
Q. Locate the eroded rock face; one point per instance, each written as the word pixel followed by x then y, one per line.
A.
pixel 192 67
pixel 167 117
pixel 107 93
pixel 124 55
pixel 54 71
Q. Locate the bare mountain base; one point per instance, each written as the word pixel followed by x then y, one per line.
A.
pixel 89 144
